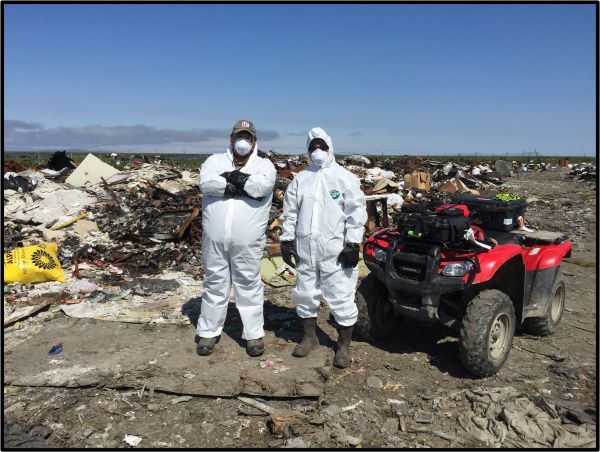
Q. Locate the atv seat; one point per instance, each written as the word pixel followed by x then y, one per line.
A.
pixel 503 237
pixel 540 237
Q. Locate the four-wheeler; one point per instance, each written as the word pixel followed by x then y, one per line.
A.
pixel 480 283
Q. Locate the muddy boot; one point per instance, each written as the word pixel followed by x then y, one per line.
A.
pixel 342 352
pixel 309 338
pixel 206 345
pixel 255 347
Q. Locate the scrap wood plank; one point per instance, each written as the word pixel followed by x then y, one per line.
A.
pixel 34 305
pixel 186 224
pixel 25 311
pixel 162 190
pixel 110 192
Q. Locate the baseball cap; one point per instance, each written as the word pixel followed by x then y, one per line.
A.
pixel 244 125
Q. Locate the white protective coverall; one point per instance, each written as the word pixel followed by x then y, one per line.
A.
pixel 233 242
pixel 323 209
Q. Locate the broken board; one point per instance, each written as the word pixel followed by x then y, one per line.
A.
pixel 159 356
pixel 90 171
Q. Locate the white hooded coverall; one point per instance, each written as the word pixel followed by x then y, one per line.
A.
pixel 233 242
pixel 323 209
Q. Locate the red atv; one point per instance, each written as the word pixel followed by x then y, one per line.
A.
pixel 440 266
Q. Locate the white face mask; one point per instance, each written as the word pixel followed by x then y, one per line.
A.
pixel 319 157
pixel 242 146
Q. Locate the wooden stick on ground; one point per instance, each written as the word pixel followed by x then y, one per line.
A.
pixel 256 404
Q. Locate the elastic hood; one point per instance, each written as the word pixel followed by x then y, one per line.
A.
pixel 317 132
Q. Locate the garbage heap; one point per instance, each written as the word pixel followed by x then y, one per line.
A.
pixel 391 183
pixel 583 171
pixel 139 221
pixel 144 218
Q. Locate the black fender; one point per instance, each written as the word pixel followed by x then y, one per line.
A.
pixel 510 279
pixel 538 290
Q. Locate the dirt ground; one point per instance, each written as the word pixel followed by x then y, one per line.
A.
pixel 419 369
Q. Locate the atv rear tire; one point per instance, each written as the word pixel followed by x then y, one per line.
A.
pixel 487 332
pixel 546 325
pixel 376 317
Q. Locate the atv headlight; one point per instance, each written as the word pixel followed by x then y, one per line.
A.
pixel 380 255
pixel 457 268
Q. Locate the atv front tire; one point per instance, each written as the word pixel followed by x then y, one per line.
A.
pixel 546 325
pixel 487 332
pixel 376 318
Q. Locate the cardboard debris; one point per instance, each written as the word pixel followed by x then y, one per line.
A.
pixel 456 184
pixel 85 227
pixel 385 185
pixel 449 187
pixel 419 180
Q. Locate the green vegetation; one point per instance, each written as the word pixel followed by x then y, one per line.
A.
pixel 34 159
pixel 194 161
pixel 487 158
pixel 507 197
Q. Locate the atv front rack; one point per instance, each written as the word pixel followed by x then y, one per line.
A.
pixel 411 265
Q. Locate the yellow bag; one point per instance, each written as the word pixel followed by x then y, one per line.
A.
pixel 35 263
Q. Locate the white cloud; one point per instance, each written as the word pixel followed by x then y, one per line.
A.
pixel 23 134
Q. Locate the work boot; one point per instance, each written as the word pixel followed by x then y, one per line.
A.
pixel 309 338
pixel 342 352
pixel 255 347
pixel 206 345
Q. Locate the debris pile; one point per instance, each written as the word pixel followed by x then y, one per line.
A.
pixel 487 416
pixel 583 171
pixel 129 242
pixel 505 417
pixel 145 220
pixel 396 182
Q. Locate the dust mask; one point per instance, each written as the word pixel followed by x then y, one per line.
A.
pixel 242 146
pixel 319 157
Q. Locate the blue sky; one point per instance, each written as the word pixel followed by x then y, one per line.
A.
pixel 394 79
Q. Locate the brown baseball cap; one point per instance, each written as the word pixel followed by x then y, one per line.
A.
pixel 244 125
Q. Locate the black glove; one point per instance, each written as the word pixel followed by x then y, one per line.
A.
pixel 231 191
pixel 235 184
pixel 349 255
pixel 237 178
pixel 288 249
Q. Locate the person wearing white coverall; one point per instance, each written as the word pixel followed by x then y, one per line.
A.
pixel 324 214
pixel 237 189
